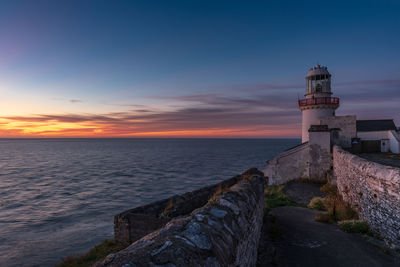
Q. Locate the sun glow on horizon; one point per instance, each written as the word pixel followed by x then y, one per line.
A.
pixel 53 128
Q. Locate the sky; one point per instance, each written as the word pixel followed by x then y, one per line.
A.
pixel 190 68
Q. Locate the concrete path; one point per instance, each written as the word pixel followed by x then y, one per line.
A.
pixel 291 237
pixel 302 193
pixel 382 158
pixel 303 242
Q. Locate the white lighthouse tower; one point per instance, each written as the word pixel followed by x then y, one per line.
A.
pixel 318 102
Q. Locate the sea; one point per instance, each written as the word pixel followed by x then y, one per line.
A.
pixel 58 197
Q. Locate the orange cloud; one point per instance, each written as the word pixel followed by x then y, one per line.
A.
pixel 205 115
pixel 207 123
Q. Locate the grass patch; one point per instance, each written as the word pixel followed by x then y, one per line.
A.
pixel 274 197
pixel 97 253
pixel 354 226
pixel 317 203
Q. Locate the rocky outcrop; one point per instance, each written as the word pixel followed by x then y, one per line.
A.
pixel 373 190
pixel 224 232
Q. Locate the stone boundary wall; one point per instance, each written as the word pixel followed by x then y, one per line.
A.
pixel 373 190
pixel 133 224
pixel 224 232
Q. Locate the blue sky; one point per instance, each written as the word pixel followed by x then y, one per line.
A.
pixel 176 58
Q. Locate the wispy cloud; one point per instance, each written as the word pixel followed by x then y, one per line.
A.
pixel 198 121
pixel 256 113
pixel 73 101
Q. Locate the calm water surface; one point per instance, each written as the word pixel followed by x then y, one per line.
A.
pixel 58 196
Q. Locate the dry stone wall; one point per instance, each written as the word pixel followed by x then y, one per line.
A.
pixel 224 232
pixel 133 224
pixel 373 190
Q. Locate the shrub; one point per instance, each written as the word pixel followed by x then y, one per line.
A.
pixel 329 189
pixel 342 211
pixel 338 209
pixel 322 217
pixel 317 203
pixel 354 226
pixel 335 205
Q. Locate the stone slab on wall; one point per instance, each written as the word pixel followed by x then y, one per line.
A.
pixel 225 232
pixel 290 165
pixel 133 224
pixel 373 190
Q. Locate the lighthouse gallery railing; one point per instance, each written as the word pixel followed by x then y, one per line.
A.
pixel 319 101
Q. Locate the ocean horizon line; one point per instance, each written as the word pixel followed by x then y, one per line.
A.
pixel 94 138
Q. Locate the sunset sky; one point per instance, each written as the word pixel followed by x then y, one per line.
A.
pixel 190 68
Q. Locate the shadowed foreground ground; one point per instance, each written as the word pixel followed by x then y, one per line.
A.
pixel 291 237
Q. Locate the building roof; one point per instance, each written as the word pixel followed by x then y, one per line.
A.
pixel 375 125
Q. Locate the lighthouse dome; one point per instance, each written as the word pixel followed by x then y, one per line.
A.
pixel 318 81
pixel 318 70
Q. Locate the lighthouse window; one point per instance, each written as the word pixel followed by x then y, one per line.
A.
pixel 318 88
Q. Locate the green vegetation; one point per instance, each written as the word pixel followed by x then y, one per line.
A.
pixel 354 226
pixel 274 197
pixel 317 203
pixel 329 189
pixel 97 253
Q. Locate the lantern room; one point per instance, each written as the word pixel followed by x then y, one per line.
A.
pixel 318 81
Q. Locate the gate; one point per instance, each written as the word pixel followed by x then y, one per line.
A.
pixel 371 146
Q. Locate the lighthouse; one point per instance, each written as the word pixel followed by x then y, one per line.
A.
pixel 318 102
